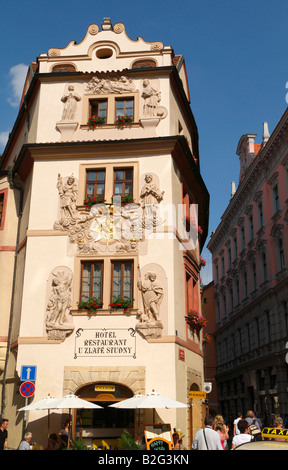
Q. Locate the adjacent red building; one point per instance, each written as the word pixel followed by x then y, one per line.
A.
pixel 249 250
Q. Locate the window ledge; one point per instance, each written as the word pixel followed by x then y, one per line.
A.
pixel 109 126
pixel 103 311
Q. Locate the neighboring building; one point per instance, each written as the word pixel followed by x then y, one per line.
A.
pixel 209 348
pixel 100 183
pixel 249 250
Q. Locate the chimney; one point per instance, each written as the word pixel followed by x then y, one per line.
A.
pixel 106 25
pixel 266 134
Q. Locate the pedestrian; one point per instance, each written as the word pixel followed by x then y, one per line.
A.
pixel 278 425
pixel 4 434
pixel 207 438
pixel 235 427
pixel 244 435
pixel 64 433
pixel 254 427
pixel 223 430
pixel 25 444
pixel 178 440
pixel 54 443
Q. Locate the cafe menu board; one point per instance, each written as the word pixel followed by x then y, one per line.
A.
pixel 158 437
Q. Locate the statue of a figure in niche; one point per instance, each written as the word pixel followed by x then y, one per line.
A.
pixel 152 98
pixel 152 296
pixel 150 196
pixel 70 104
pixel 150 193
pixel 59 305
pixel 68 194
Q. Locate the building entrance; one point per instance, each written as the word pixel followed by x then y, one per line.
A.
pixel 103 428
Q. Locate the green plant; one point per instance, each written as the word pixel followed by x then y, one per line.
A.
pixel 121 120
pixel 195 319
pixel 96 120
pixel 91 200
pixel 92 304
pixel 78 445
pixel 125 198
pixel 127 442
pixel 120 302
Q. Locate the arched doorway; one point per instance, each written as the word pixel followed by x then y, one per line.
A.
pixel 196 413
pixel 103 427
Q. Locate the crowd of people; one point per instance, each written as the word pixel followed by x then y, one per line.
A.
pixel 216 435
pixel 55 441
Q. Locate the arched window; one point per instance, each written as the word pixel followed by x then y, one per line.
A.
pixel 64 68
pixel 144 64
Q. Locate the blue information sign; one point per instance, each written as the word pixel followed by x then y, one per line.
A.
pixel 28 373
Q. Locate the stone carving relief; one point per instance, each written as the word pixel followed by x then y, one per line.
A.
pixel 70 100
pixel 58 324
pixel 108 228
pixel 150 196
pixel 152 96
pixel 152 294
pixel 98 86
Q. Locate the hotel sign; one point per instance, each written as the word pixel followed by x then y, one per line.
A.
pixel 118 342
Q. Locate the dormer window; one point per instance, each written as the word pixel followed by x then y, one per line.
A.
pixel 64 68
pixel 144 64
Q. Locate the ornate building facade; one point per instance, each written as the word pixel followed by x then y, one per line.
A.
pixel 108 214
pixel 249 250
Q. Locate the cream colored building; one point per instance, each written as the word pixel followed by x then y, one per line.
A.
pixel 56 252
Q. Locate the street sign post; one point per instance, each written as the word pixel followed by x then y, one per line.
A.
pixel 28 373
pixel 27 389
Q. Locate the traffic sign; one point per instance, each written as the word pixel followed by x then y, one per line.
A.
pixel 28 373
pixel 27 389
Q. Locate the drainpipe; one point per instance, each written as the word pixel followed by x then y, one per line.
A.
pixel 13 185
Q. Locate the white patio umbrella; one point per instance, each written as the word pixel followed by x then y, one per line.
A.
pixel 40 404
pixel 73 402
pixel 151 400
pixel 45 403
pixel 129 403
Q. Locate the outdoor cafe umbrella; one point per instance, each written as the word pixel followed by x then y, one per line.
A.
pixel 43 404
pixel 72 402
pixel 151 400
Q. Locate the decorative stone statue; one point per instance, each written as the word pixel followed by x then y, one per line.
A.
pixel 98 86
pixel 152 293
pixel 150 196
pixel 70 104
pixel 59 305
pixel 150 193
pixel 152 98
pixel 67 188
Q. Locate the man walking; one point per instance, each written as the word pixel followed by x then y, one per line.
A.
pixel 4 434
pixel 207 438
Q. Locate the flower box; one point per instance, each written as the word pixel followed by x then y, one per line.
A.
pixel 122 120
pixel 125 198
pixel 206 339
pixel 91 200
pixel 96 120
pixel 195 320
pixel 91 305
pixel 120 303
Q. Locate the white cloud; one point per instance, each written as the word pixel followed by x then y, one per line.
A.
pixel 3 139
pixel 18 75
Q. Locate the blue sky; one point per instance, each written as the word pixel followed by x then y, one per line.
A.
pixel 235 53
